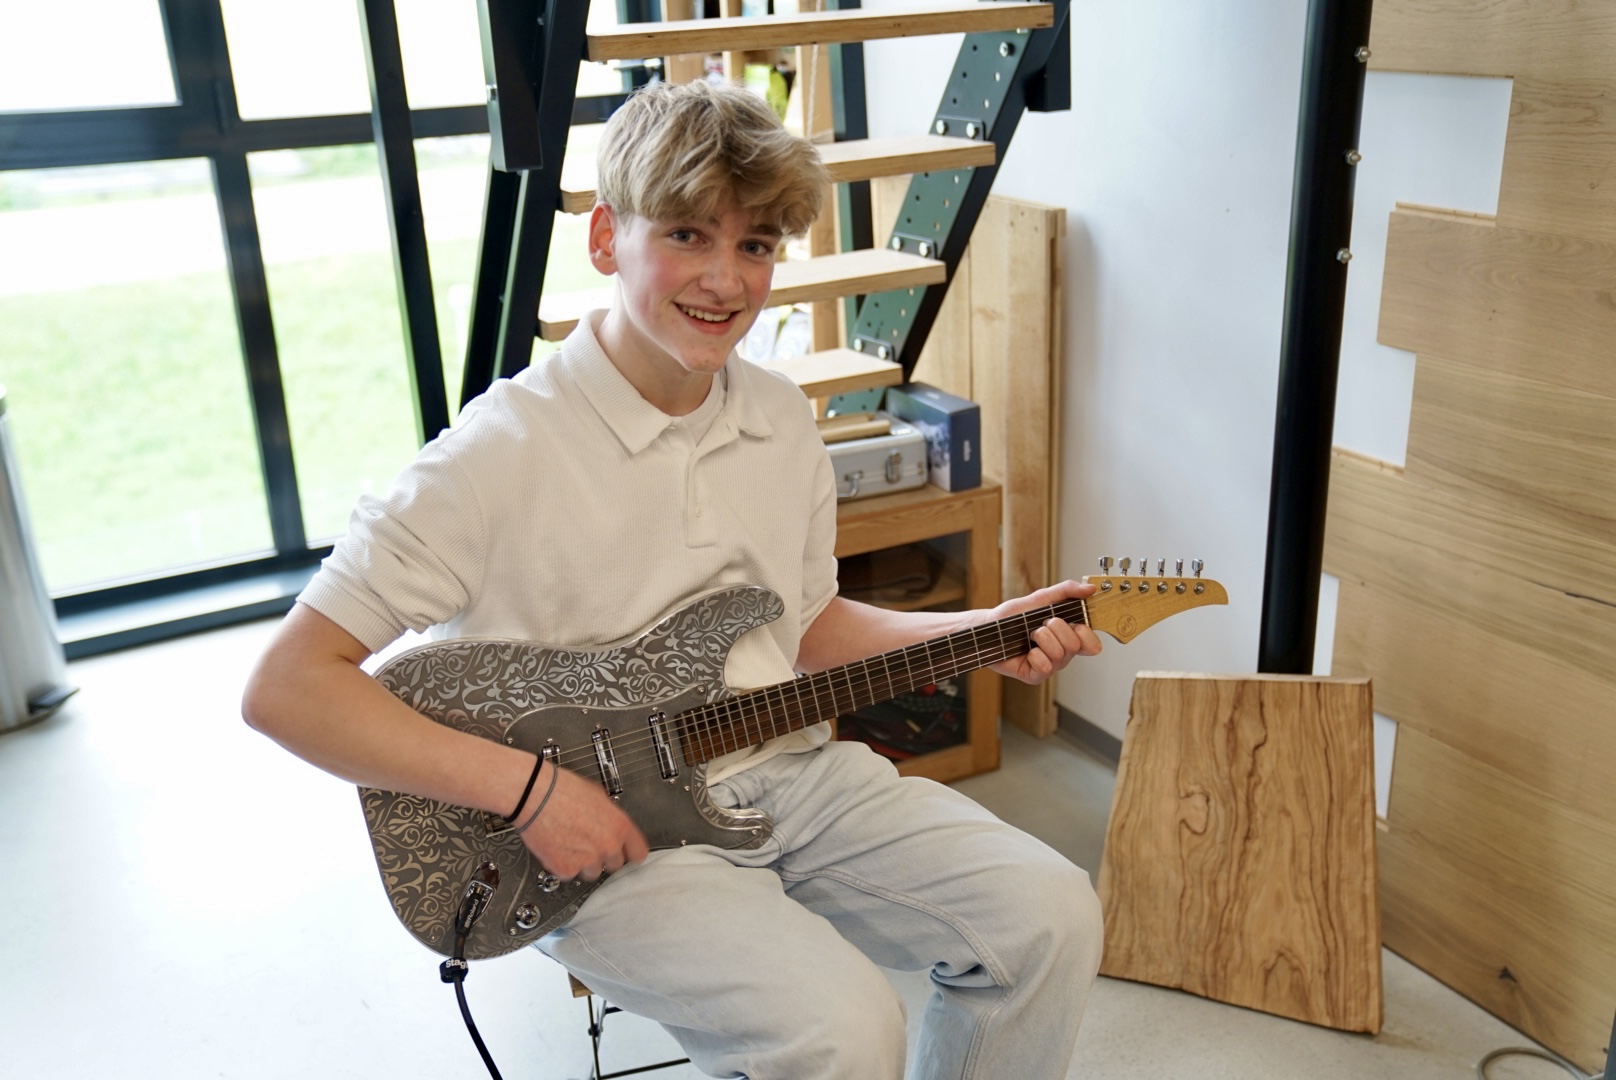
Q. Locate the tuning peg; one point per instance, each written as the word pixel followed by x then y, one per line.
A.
pixel 1197 565
pixel 1105 565
pixel 1178 568
pixel 1144 566
pixel 1161 567
pixel 1123 564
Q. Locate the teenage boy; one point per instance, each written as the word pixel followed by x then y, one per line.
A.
pixel 595 492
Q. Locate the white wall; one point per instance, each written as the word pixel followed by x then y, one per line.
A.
pixel 1175 165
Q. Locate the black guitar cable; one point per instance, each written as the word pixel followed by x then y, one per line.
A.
pixel 473 902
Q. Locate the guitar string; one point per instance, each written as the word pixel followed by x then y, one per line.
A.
pixel 636 755
pixel 702 721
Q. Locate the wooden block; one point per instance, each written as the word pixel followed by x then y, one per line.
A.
pixel 1502 37
pixel 1463 288
pixel 848 273
pixel 631 41
pixel 1502 893
pixel 1240 859
pixel 1526 447
pixel 1560 157
pixel 1483 690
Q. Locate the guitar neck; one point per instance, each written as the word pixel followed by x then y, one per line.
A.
pixel 747 719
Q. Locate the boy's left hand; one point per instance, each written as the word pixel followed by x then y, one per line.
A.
pixel 1056 641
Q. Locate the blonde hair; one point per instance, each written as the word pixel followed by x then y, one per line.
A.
pixel 678 151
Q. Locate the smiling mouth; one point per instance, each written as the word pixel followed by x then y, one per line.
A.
pixel 707 316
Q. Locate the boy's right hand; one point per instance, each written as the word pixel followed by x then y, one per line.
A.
pixel 582 833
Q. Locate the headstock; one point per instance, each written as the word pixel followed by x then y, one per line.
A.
pixel 1126 604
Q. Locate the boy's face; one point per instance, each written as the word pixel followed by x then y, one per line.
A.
pixel 689 289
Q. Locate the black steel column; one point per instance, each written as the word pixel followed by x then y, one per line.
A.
pixel 412 272
pixel 202 66
pixel 1310 353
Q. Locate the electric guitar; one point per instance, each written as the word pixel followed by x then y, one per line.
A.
pixel 643 717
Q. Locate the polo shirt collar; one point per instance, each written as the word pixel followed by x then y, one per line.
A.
pixel 636 422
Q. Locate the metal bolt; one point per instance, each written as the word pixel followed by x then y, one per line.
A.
pixel 858 344
pixel 925 250
pixel 940 127
pixel 897 243
pixel 1353 157
pixel 970 131
pixel 1343 256
pixel 1006 48
pixel 883 353
pixel 1362 55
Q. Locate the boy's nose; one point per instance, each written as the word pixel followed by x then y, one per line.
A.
pixel 722 275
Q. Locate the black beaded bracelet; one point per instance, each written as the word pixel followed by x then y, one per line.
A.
pixel 531 780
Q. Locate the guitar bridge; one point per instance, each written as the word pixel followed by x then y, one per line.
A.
pixel 664 749
pixel 606 761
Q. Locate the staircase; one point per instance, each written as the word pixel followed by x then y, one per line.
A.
pixel 1015 56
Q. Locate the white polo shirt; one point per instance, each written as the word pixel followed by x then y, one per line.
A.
pixel 565 509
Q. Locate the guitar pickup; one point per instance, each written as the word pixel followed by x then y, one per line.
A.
pixel 606 761
pixel 664 749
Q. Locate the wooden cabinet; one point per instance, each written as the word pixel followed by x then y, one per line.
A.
pixel 959 531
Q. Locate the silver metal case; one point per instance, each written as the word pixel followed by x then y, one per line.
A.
pixel 880 464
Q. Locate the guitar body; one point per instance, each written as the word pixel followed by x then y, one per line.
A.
pixel 533 697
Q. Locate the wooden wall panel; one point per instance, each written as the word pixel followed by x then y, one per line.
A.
pixel 1537 450
pixel 1462 287
pixel 1479 584
pixel 1560 155
pixel 1505 892
pixel 1502 37
pixel 1482 690
pixel 1577 628
pixel 1240 857
pixel 997 341
pixel 1369 499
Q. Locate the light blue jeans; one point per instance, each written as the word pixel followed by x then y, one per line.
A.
pixel 763 963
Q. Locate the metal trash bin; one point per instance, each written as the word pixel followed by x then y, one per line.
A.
pixel 33 669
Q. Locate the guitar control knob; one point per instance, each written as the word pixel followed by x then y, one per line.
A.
pixel 527 916
pixel 549 883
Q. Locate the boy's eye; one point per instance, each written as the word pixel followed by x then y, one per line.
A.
pixel 759 247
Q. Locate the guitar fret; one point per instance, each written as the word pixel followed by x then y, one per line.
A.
pixel 769 712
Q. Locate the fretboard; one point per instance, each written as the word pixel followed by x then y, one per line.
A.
pixel 750 718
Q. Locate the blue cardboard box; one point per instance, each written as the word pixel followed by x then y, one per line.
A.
pixel 953 430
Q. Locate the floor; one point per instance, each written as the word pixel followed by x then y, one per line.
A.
pixel 181 899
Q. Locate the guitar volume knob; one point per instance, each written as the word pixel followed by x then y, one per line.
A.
pixel 527 916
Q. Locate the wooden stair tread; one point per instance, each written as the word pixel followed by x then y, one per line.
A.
pixel 803 281
pixel 855 159
pixel 838 371
pixel 634 41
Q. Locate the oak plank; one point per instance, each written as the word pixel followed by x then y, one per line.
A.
pixel 1559 172
pixel 1527 447
pixel 838 371
pixel 1015 360
pixel 1503 893
pixel 1537 306
pixel 1483 689
pixel 1500 38
pixel 633 41
pixel 1370 499
pixel 1239 863
pixel 1382 549
pixel 855 159
pixel 798 281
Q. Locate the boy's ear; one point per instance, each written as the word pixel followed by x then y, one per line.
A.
pixel 603 239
